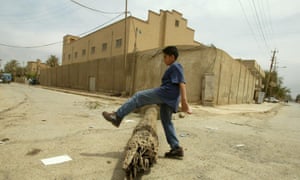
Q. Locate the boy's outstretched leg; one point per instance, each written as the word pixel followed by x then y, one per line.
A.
pixel 139 99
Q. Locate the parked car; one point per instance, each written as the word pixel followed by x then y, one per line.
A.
pixel 271 100
pixel 33 81
pixel 6 77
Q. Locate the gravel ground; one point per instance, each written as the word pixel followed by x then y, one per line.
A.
pixel 254 141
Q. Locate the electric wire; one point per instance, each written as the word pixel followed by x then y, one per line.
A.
pixel 260 25
pixel 59 42
pixel 96 10
pixel 27 17
pixel 248 22
pixel 252 29
pixel 265 23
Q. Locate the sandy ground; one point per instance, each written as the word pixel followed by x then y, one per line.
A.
pixel 255 141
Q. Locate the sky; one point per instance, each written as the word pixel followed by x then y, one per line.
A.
pixel 247 29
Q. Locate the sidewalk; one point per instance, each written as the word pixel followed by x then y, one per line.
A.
pixel 220 109
pixel 238 108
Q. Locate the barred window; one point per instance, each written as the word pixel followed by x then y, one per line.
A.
pixel 83 52
pixel 93 50
pixel 118 43
pixel 104 46
pixel 176 23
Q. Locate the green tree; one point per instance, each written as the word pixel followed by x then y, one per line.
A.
pixel 276 87
pixel 11 67
pixel 298 98
pixel 52 61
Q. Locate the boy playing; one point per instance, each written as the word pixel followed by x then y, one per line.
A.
pixel 166 96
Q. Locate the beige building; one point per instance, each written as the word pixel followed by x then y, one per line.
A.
pixel 165 28
pixel 34 67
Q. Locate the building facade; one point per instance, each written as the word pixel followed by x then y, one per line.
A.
pixel 34 67
pixel 163 29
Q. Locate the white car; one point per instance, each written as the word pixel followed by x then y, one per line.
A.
pixel 272 100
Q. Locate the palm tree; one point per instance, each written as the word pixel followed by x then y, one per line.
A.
pixel 11 67
pixel 276 87
pixel 52 61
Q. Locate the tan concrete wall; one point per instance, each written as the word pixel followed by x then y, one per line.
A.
pixel 233 82
pixel 109 74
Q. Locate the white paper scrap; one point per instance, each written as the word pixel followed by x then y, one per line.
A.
pixel 240 145
pixel 56 160
pixel 129 121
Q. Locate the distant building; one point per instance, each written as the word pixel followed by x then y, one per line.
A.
pixel 34 67
pixel 165 28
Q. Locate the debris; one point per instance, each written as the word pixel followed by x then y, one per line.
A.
pixel 240 145
pixel 181 115
pixel 184 134
pixel 56 160
pixel 5 139
pixel 33 152
pixel 211 128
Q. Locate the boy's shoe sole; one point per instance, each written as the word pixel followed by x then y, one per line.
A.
pixel 174 157
pixel 175 153
pixel 109 117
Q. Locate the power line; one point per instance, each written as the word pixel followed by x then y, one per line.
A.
pixel 250 26
pixel 27 16
pixel 260 25
pixel 95 28
pixel 248 22
pixel 54 43
pixel 30 47
pixel 96 10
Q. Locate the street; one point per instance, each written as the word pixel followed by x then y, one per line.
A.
pixel 38 123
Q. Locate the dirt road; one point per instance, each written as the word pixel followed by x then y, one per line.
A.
pixel 36 123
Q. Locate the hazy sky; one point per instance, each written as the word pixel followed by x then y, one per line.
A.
pixel 247 29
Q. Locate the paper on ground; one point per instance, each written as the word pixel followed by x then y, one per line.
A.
pixel 56 160
pixel 129 120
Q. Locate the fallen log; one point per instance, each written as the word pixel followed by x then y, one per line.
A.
pixel 142 148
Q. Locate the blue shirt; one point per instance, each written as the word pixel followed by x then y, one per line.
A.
pixel 169 91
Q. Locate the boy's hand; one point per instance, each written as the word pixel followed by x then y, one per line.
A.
pixel 186 108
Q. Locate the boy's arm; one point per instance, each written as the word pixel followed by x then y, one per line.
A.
pixel 184 104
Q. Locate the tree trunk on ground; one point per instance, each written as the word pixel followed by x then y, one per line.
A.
pixel 142 148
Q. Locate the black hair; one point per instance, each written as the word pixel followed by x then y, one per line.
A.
pixel 171 50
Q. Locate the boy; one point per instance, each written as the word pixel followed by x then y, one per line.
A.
pixel 167 96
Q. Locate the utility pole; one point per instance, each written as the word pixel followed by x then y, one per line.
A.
pixel 125 34
pixel 125 46
pixel 271 68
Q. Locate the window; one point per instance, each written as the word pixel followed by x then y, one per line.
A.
pixel 93 50
pixel 69 56
pixel 118 43
pixel 76 54
pixel 176 23
pixel 104 46
pixel 83 52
